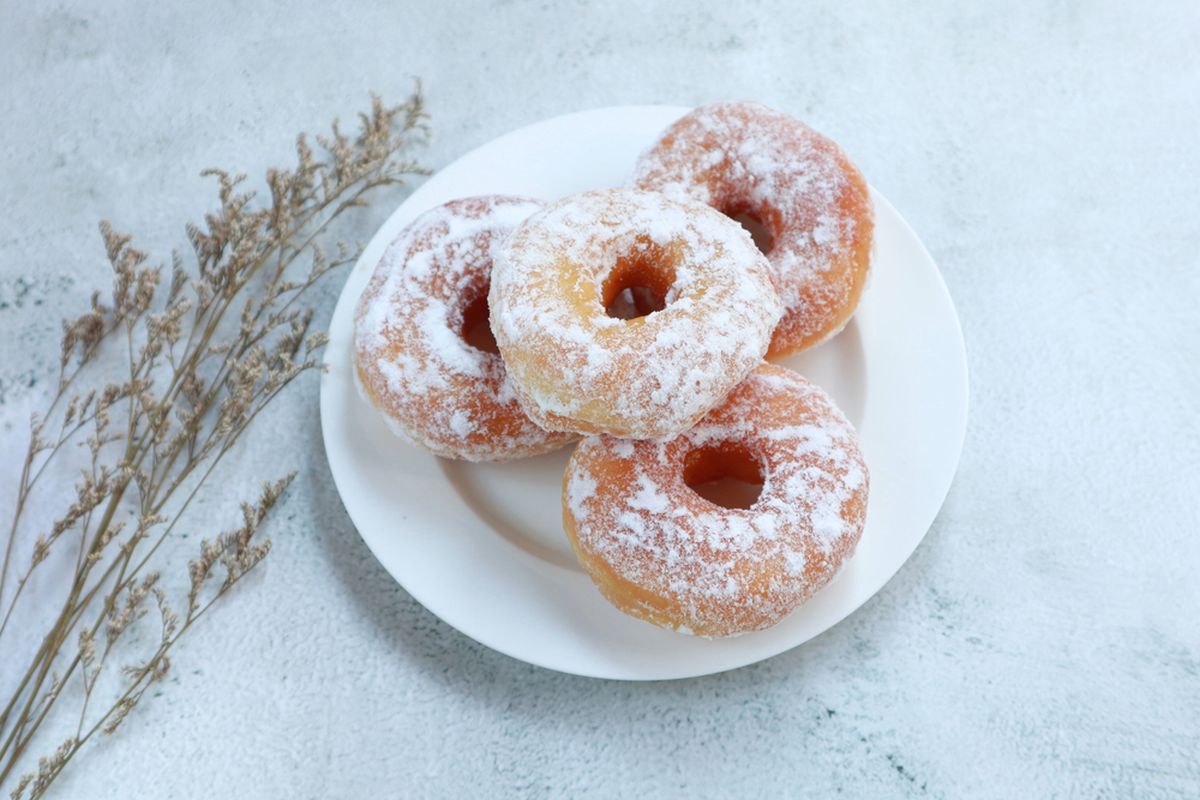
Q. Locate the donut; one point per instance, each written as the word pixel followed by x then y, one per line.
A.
pixel 747 160
pixel 661 552
pixel 696 289
pixel 422 350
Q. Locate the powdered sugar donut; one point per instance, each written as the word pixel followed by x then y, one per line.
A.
pixel 661 552
pixel 426 299
pixel 746 159
pixel 704 289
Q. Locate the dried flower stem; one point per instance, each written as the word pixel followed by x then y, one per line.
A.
pixel 197 377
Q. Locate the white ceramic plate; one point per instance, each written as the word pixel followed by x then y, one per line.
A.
pixel 482 546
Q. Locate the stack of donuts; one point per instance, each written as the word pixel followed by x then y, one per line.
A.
pixel 637 322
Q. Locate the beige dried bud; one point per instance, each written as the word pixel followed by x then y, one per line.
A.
pixel 41 549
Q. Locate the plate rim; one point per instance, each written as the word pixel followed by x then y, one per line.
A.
pixel 415 200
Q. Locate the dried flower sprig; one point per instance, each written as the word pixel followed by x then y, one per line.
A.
pixel 201 362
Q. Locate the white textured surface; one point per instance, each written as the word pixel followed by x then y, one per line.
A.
pixel 1044 639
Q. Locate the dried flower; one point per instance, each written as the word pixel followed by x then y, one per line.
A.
pixel 204 358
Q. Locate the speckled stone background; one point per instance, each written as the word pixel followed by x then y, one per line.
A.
pixel 1044 640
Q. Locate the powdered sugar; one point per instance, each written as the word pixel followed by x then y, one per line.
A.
pixel 576 368
pixel 623 448
pixel 581 487
pixel 718 570
pixel 649 497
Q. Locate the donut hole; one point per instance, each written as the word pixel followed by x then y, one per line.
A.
pixel 476 329
pixel 759 231
pixel 637 285
pixel 726 474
